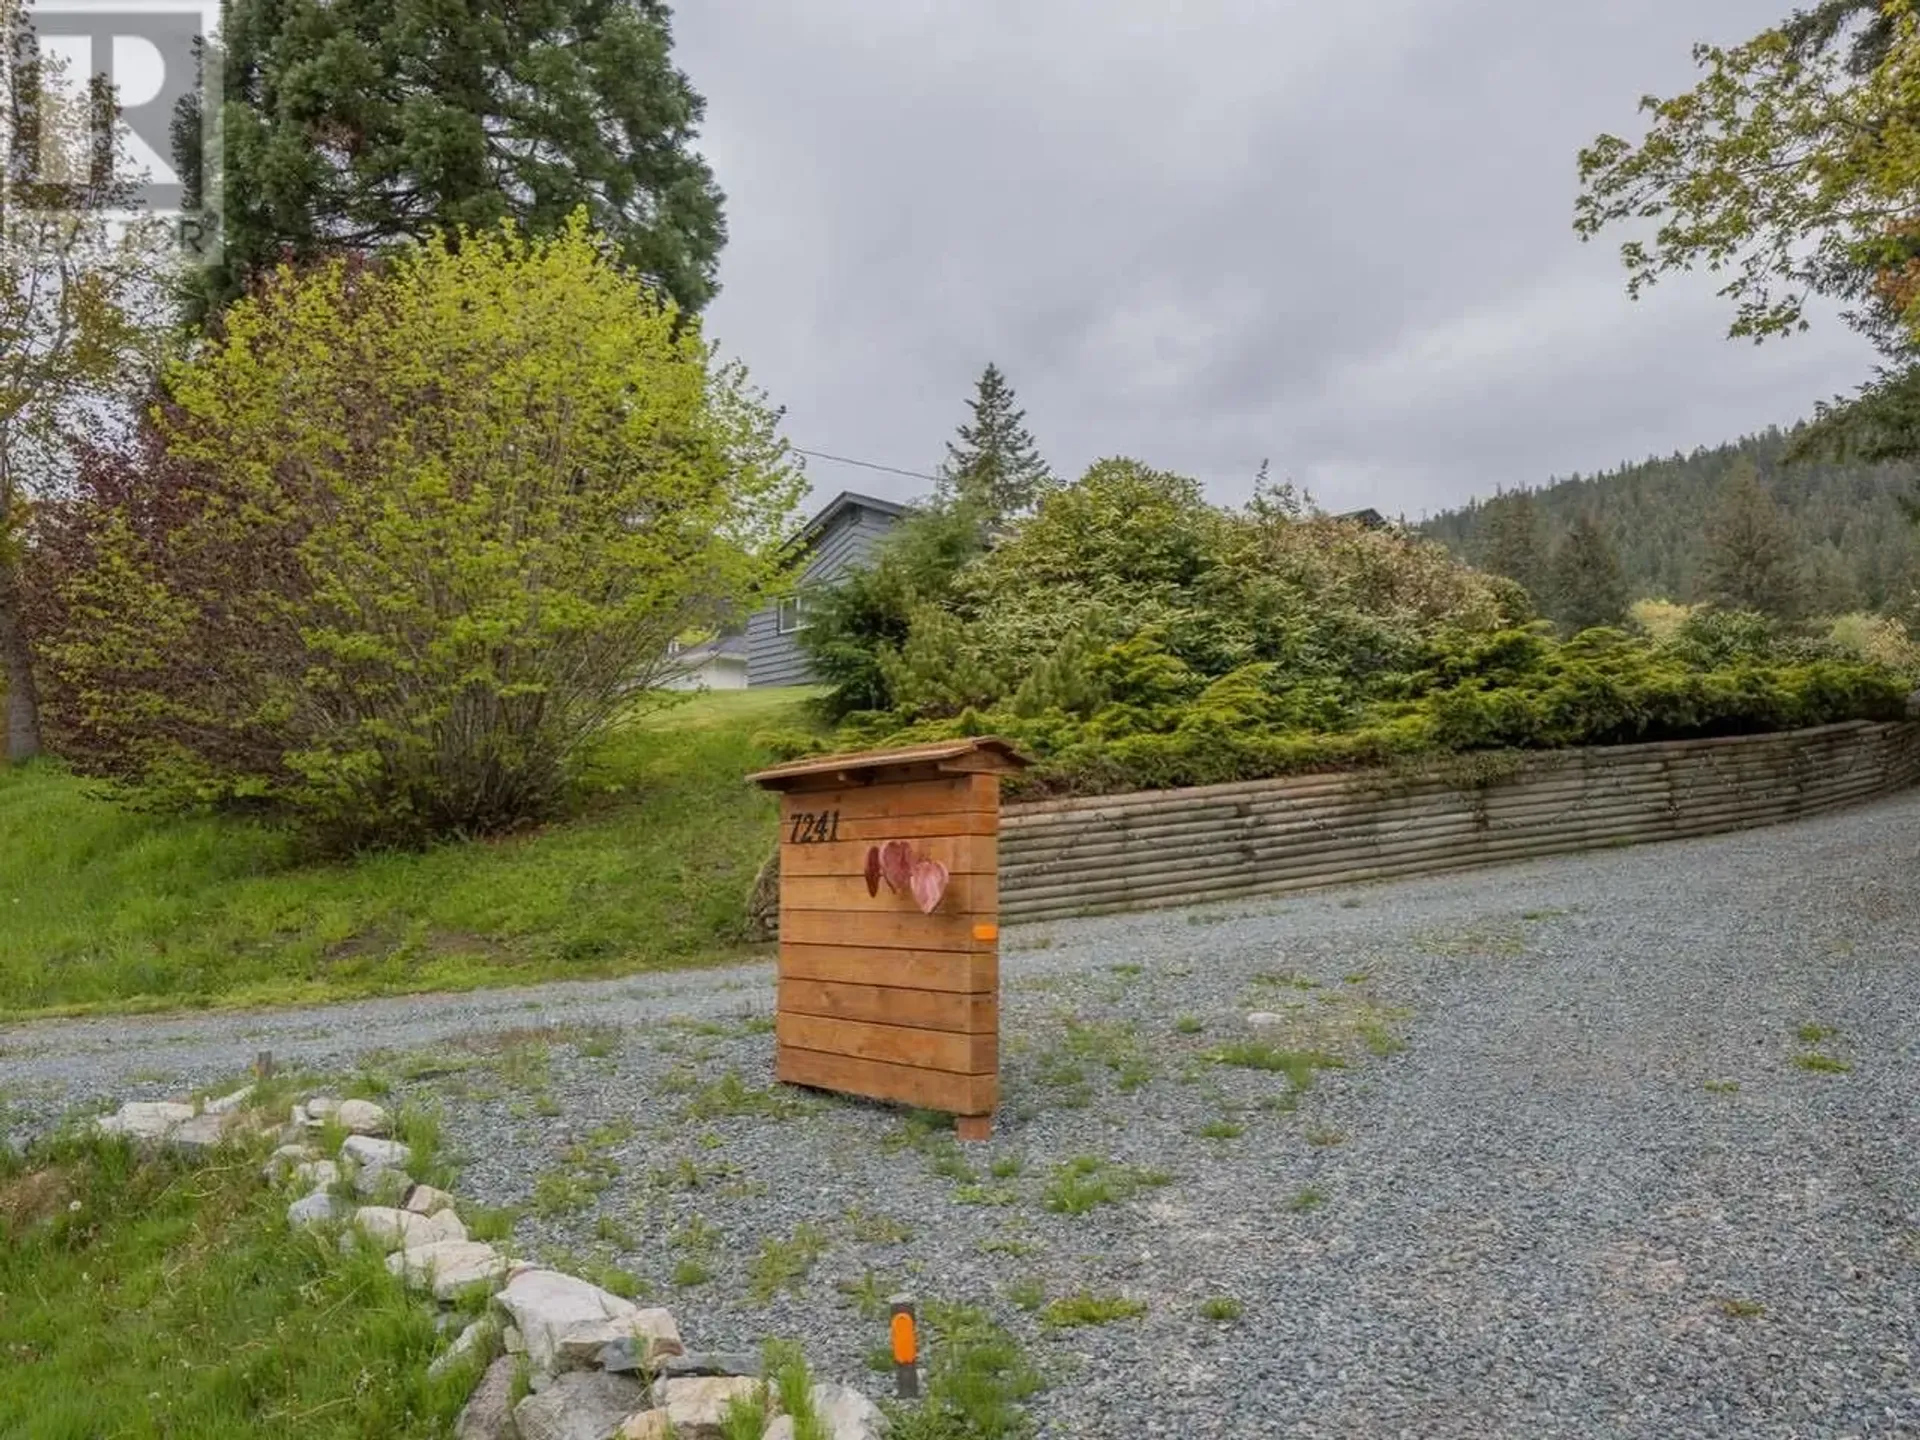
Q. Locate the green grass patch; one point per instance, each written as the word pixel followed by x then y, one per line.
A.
pixel 976 1380
pixel 1297 1065
pixel 1222 1308
pixel 1087 1182
pixel 785 1264
pixel 160 1300
pixel 1822 1064
pixel 1222 1130
pixel 108 909
pixel 1071 1311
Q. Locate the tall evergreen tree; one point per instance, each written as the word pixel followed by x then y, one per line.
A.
pixel 1586 585
pixel 1750 561
pixel 353 124
pixel 1514 548
pixel 994 466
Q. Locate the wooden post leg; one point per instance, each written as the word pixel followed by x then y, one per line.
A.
pixel 975 1127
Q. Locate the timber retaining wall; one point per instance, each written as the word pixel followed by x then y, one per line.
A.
pixel 1139 851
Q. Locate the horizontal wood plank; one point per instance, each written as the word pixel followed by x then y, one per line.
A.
pixel 886 929
pixel 966 895
pixel 972 1014
pixel 956 1093
pixel 957 1050
pixel 943 796
pixel 961 854
pixel 953 971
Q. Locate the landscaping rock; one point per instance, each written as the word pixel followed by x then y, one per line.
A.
pixel 145 1119
pixel 425 1200
pixel 202 1133
pixel 367 1150
pixel 395 1229
pixel 476 1339
pixel 584 1405
pixel 227 1104
pixel 648 1425
pixel 844 1414
pixel 703 1362
pixel 316 1175
pixel 696 1407
pixel 566 1322
pixel 1265 1019
pixel 285 1161
pixel 362 1117
pixel 322 1107
pixel 449 1266
pixel 319 1208
pixel 382 1184
pixel 513 1340
pixel 489 1412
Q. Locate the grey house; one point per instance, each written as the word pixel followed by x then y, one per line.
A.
pixel 842 535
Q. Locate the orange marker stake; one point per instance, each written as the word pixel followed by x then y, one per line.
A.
pixel 906 1348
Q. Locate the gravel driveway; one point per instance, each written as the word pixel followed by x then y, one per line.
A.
pixel 1619 1144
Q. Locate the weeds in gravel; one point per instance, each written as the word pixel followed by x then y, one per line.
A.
pixel 732 1096
pixel 1297 1065
pixel 689 1272
pixel 1087 1182
pixel 869 1295
pixel 1822 1064
pixel 1111 1045
pixel 1127 969
pixel 1012 1245
pixel 609 1231
pixel 1028 1292
pixel 1222 1130
pixel 1815 1034
pixel 1222 1308
pixel 582 1178
pixel 686 1175
pixel 784 1264
pixel 1006 1167
pixel 1742 1309
pixel 1321 1135
pixel 1085 1308
pixel 1189 1025
pixel 786 1367
pixel 697 1233
pixel 986 1195
pixel 977 1377
pixel 1306 1198
pixel 1722 1087
pixel 870 1227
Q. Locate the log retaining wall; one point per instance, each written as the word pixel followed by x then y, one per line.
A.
pixel 1061 858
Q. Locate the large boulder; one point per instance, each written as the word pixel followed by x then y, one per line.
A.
pixel 583 1405
pixel 404 1230
pixel 368 1150
pixel 696 1408
pixel 361 1117
pixel 566 1323
pixel 489 1412
pixel 319 1208
pixel 145 1120
pixel 448 1267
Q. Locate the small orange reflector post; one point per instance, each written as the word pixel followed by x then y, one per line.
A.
pixel 906 1348
pixel 986 932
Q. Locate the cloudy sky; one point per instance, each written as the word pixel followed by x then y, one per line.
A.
pixel 1336 236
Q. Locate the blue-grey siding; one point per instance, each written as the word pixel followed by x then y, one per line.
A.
pixel 776 659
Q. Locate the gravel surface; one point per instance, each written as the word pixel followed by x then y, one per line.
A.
pixel 1573 1177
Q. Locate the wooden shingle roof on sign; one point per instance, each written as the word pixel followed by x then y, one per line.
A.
pixel 974 754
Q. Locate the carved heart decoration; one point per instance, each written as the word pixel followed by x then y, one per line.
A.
pixel 929 885
pixel 896 864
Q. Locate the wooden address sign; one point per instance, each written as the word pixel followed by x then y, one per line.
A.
pixel 890 925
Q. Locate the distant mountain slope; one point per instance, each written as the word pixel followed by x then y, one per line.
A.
pixel 1856 545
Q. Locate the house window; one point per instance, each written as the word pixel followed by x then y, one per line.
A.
pixel 790 618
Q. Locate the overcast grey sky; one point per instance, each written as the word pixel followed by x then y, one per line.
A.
pixel 1336 236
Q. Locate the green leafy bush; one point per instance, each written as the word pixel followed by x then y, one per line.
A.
pixel 409 537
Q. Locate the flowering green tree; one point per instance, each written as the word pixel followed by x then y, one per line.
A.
pixel 435 521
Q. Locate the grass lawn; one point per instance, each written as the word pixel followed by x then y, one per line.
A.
pixel 158 1300
pixel 102 908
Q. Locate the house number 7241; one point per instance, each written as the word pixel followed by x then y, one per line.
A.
pixel 815 827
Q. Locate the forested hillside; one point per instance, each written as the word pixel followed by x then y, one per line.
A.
pixel 1845 539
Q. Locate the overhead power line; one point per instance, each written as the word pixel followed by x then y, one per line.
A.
pixel 864 464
